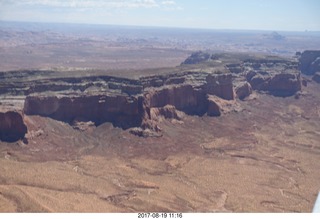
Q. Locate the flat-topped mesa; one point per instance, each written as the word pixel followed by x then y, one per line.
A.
pixel 127 104
pixel 275 75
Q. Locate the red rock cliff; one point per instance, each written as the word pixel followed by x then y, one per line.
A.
pixel 122 111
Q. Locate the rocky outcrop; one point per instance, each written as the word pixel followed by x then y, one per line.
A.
pixel 184 97
pixel 285 84
pixel 197 57
pixel 214 109
pixel 278 84
pixel 277 77
pixel 138 131
pixel 309 62
pixel 243 90
pixel 220 85
pixel 258 80
pixel 12 127
pixel 167 112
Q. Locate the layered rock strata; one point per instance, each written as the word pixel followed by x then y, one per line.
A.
pixel 130 103
pixel 85 101
pixel 279 79
pixel 122 111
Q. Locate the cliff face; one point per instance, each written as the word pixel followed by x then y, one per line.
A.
pixel 220 86
pixel 183 97
pixel 122 111
pixel 129 105
pixel 12 127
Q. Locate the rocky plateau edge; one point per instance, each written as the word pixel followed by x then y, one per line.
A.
pixel 138 104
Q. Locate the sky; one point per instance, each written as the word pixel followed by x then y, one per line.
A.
pixel 285 15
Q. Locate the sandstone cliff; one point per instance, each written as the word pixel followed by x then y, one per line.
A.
pixel 123 111
pixel 131 104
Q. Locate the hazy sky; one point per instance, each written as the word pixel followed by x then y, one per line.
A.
pixel 218 14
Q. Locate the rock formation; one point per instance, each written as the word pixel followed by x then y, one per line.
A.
pixel 285 84
pixel 166 112
pixel 214 109
pixel 274 36
pixel 309 62
pixel 140 104
pixel 279 79
pixel 123 111
pixel 197 57
pixel 220 86
pixel 12 127
pixel 133 103
pixel 243 90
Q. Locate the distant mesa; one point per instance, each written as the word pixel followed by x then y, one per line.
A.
pixel 274 36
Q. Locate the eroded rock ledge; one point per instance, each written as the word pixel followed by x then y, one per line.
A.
pixel 132 104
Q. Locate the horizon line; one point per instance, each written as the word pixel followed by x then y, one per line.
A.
pixel 161 27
